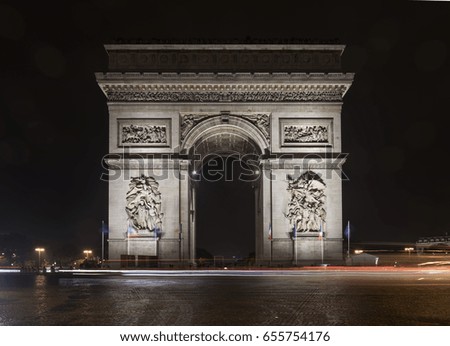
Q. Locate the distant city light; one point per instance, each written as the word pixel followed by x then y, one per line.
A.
pixel 357 252
pixel 409 249
pixel 39 250
pixel 4 270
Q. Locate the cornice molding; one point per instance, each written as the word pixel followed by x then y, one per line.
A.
pixel 204 77
pixel 321 46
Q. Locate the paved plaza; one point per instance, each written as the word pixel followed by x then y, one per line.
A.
pixel 323 296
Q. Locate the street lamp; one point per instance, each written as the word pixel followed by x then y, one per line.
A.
pixel 87 253
pixel 39 250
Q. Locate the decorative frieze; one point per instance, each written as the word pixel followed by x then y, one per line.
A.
pixel 224 93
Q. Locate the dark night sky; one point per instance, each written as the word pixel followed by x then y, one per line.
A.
pixel 54 121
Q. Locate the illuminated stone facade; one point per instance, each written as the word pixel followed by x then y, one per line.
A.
pixel 280 103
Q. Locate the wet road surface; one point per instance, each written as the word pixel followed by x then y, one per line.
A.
pixel 419 297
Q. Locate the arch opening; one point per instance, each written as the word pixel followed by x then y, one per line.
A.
pixel 225 210
pixel 225 182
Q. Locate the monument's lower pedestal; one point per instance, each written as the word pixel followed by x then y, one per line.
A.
pixel 134 252
pixel 307 250
pixel 144 246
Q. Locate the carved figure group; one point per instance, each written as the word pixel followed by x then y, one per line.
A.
pixel 144 134
pixel 306 208
pixel 189 121
pixel 144 204
pixel 305 134
pixel 262 123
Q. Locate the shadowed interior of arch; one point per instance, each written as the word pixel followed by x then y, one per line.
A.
pixel 225 206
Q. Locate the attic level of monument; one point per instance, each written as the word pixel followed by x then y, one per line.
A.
pixel 224 58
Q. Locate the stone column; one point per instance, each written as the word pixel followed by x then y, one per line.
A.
pixel 185 205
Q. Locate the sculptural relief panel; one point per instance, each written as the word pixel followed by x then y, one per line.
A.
pixel 144 132
pixel 306 132
pixel 306 208
pixel 143 206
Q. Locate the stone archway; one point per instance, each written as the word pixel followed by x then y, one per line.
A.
pixel 278 103
pixel 229 137
pixel 252 127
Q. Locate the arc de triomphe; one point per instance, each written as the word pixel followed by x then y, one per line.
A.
pixel 277 106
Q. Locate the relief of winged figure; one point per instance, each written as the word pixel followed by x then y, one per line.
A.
pixel 144 204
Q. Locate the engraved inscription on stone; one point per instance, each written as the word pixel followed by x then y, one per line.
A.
pixel 224 60
pixel 145 134
pixel 143 206
pixel 305 134
pixel 306 208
